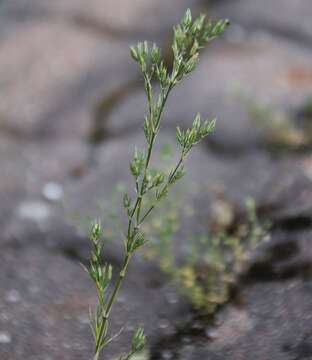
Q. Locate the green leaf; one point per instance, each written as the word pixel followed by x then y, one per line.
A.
pixel 187 19
pixel 155 54
pixel 134 53
pixel 137 164
pixel 180 136
pixel 138 340
pixel 148 130
pixel 135 241
pixel 138 241
pixel 158 179
pixel 208 127
pixel 160 194
pixel 174 177
pixel 95 231
pixel 106 275
pixel 196 122
pixel 126 201
pixel 198 24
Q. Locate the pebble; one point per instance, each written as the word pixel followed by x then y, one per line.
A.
pixel 163 324
pixel 172 299
pixel 167 355
pixel 33 210
pixel 5 338
pixel 52 191
pixel 13 296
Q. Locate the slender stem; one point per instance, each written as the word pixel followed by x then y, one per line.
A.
pixel 110 304
pixel 176 168
pixel 146 214
pixel 172 175
pixel 136 211
pixel 149 152
pixel 118 284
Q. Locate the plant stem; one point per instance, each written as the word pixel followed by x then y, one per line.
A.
pixel 110 304
pixel 176 168
pixel 149 152
pixel 146 214
pixel 189 38
pixel 172 175
pixel 136 211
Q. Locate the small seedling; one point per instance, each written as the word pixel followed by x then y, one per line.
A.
pixel 190 36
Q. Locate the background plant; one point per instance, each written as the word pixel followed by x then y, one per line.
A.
pixel 190 36
pixel 216 259
pixel 283 129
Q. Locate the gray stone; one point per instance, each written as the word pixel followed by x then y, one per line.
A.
pixel 51 316
pixel 287 18
pixel 64 229
pixel 274 324
pixel 65 75
pixel 228 81
pixel 270 315
pixel 51 75
pixel 114 18
pixel 286 200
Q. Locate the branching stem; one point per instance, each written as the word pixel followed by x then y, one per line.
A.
pixel 189 37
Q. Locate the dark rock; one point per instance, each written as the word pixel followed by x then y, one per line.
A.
pixel 273 324
pixel 272 318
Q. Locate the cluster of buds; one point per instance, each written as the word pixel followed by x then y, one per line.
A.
pixel 190 137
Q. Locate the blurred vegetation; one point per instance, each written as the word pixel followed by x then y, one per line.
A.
pixel 213 260
pixel 210 263
pixel 284 129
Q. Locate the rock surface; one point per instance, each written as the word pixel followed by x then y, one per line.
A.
pixel 71 105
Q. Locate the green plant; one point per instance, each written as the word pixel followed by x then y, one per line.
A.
pixel 213 259
pixel 216 261
pixel 190 36
pixel 279 126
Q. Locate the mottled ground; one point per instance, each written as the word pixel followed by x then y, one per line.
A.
pixel 71 102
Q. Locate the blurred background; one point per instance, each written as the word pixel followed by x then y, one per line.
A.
pixel 71 110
